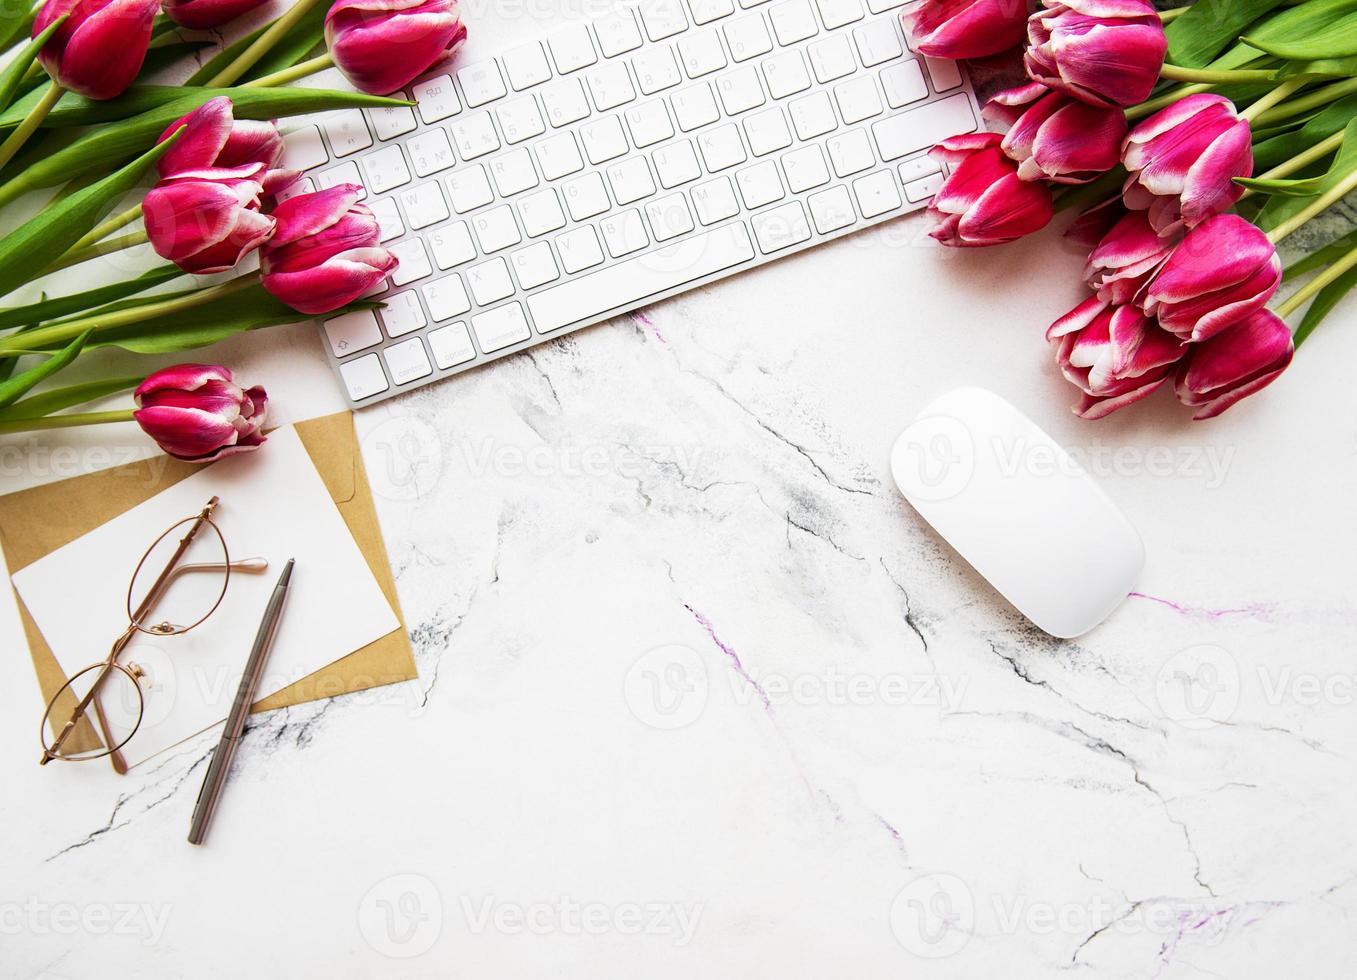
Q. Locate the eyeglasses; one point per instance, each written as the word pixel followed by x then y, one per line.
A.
pixel 179 582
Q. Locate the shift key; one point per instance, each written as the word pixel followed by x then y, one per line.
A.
pixel 909 132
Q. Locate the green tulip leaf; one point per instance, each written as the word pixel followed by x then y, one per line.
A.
pixel 1280 208
pixel 44 238
pixel 1208 26
pixel 291 48
pixel 52 309
pixel 1291 187
pixel 56 399
pixel 1336 40
pixel 11 79
pixel 1324 302
pixel 1324 68
pixel 16 20
pixel 1301 21
pixel 1278 149
pixel 11 390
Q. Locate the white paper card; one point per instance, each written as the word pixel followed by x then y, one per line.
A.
pixel 273 505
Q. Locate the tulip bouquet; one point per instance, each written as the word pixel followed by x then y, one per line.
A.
pixel 1152 124
pixel 80 121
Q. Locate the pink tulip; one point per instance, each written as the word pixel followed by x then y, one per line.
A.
pixel 100 48
pixel 198 413
pixel 206 221
pixel 212 139
pixel 1057 138
pixel 984 202
pixel 324 254
pixel 1126 259
pixel 967 28
pixel 203 14
pixel 1104 52
pixel 1235 363
pixel 1114 354
pixel 384 45
pixel 1184 159
pixel 1224 270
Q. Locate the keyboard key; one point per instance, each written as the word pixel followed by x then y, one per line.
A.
pixel 630 180
pixel 579 249
pixel 571 48
pixel 663 18
pixel 474 135
pixel 858 99
pixel 481 83
pixel 832 58
pixel 701 53
pixel 913 130
pixel 424 205
pixel 430 152
pixel 617 33
pixel 786 74
pixel 603 139
pixel 805 168
pixel 792 21
pixel 706 11
pixel 364 377
pixel 437 98
pixel 303 149
pixel 624 233
pixel 519 119
pixel 345 173
pixel 534 266
pixel 656 70
pixel 500 328
pixel 831 209
pixel 918 167
pixel 923 188
pixel 903 84
pixel 490 281
pixel 446 297
pixel 836 13
pixel 878 41
pixel 407 361
pixel 353 332
pixel 451 245
pixel 850 152
pixel 676 164
pixel 495 229
pixel 414 261
pixel 298 188
pixel 385 170
pixel 715 201
pixel 740 90
pixel 767 131
pixel 813 115
pixel 526 66
pixel 392 121
pixel 747 37
pixel 610 85
pixel 694 106
pixel 648 123
pixel 451 345
pixel 669 217
pixel 347 132
pixel 721 147
pixel 877 6
pixel 469 188
pixel 759 184
pixel 513 172
pixel 876 193
pixel 541 213
pixel 559 156
pixel 388 218
pixel 585 196
pixel 780 228
pixel 945 73
pixel 564 102
pixel 402 314
pixel 625 284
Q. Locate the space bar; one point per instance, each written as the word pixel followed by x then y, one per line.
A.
pixel 629 282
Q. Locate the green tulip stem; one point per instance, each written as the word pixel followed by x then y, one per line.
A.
pixel 30 123
pixel 64 421
pixel 1177 73
pixel 1166 100
pixel 107 228
pixel 1298 299
pixel 1317 207
pixel 76 256
pixel 289 75
pixel 1276 97
pixel 247 58
pixel 1299 107
pixel 1302 160
pixel 42 338
pixel 1172 14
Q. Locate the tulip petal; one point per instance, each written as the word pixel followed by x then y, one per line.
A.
pixel 1094 408
pixel 1009 209
pixel 183 377
pixel 104 46
pixel 307 214
pixel 206 130
pixel 186 433
pixel 1210 186
pixel 335 283
pixel 1235 363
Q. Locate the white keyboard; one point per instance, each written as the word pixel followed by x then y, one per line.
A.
pixel 619 161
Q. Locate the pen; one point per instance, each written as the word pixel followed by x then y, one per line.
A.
pixel 240 709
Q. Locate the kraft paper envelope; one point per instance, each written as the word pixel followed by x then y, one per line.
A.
pixel 35 522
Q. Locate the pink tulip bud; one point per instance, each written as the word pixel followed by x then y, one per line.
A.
pixel 984 202
pixel 1184 159
pixel 1093 224
pixel 206 221
pixel 1235 363
pixel 198 413
pixel 203 14
pixel 1114 354
pixel 1223 271
pixel 325 253
pixel 967 28
pixel 213 140
pixel 1055 137
pixel 1104 52
pixel 1126 259
pixel 384 45
pixel 100 48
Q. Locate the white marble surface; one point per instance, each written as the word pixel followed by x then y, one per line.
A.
pixel 699 696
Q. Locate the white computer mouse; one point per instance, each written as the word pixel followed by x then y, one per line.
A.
pixel 1019 509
